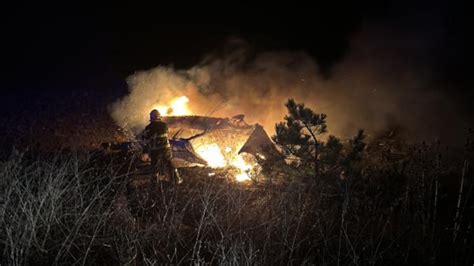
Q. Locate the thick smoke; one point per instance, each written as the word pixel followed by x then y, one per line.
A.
pixel 384 80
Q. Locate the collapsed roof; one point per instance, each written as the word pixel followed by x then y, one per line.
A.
pixel 232 136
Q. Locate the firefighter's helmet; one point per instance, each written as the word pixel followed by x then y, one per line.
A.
pixel 154 115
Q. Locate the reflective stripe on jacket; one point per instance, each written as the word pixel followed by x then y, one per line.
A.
pixel 156 135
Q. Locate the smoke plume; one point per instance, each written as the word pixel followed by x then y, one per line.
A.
pixel 384 80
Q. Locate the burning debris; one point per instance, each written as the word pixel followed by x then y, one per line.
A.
pixel 213 142
pixel 218 143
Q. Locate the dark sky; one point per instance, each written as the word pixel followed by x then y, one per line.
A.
pixel 58 48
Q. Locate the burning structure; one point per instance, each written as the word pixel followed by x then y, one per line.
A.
pixel 218 142
pixel 214 142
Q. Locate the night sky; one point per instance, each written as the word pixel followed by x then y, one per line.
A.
pixel 64 50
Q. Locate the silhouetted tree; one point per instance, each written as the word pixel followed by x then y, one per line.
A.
pixel 298 136
pixel 355 152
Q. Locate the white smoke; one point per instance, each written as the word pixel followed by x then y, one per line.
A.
pixel 379 83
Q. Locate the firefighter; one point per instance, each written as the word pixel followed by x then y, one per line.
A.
pixel 155 137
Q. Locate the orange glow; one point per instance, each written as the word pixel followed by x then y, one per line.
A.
pixel 212 154
pixel 178 106
pixel 243 168
pixel 215 159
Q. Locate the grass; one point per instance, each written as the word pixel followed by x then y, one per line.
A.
pixel 80 209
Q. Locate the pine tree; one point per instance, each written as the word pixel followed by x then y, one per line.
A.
pixel 298 135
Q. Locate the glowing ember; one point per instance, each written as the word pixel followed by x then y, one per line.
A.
pixel 215 159
pixel 243 168
pixel 178 106
pixel 242 177
pixel 212 154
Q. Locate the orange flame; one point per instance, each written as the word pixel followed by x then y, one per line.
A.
pixel 210 152
pixel 213 155
pixel 177 106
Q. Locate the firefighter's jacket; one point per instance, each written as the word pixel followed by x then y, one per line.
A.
pixel 156 135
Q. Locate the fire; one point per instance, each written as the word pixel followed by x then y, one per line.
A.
pixel 243 168
pixel 178 106
pixel 212 154
pixel 215 158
